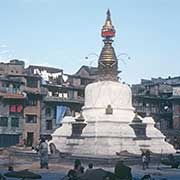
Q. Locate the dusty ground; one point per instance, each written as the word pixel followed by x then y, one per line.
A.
pixel 57 170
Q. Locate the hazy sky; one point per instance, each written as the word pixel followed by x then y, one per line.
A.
pixel 62 33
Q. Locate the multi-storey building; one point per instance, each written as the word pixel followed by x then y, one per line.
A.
pixel 11 102
pixel 175 100
pixel 160 99
pixel 64 94
pixel 34 100
pixel 20 104
pixel 32 109
pixel 14 67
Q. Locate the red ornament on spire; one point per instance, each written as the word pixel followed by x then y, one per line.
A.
pixel 108 30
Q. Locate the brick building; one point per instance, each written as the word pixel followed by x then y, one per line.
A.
pixel 11 102
pixel 34 100
pixel 32 109
pixel 160 99
pixel 20 96
pixel 64 94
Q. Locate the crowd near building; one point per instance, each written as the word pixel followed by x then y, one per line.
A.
pixel 34 100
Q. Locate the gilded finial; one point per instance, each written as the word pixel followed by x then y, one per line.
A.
pixel 107 63
pixel 108 15
pixel 108 30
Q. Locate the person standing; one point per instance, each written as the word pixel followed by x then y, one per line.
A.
pixel 145 162
pixel 148 156
pixel 43 153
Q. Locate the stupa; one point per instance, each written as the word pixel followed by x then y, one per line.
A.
pixel 108 124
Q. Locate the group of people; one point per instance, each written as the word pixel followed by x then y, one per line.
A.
pixel 121 172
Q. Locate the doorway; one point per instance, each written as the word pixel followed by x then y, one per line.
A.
pixel 30 138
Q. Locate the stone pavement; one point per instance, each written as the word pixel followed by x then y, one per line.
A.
pixel 163 173
pixel 57 170
pixel 168 173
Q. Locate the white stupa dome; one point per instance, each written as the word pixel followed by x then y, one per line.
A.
pixel 104 93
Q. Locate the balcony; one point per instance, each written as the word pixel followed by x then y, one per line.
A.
pixel 143 109
pixel 10 90
pixel 13 96
pixel 165 112
pixel 36 91
pixel 153 110
pixel 11 93
pixel 31 90
pixel 62 99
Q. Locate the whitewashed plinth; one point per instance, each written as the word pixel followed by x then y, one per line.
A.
pixel 107 134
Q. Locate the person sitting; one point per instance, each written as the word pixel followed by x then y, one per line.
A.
pixel 90 167
pixel 146 177
pixel 77 171
pixel 72 175
pixel 174 163
pixel 122 172
pixel 10 168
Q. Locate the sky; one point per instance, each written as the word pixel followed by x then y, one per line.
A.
pixel 62 33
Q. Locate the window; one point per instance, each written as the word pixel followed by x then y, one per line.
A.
pixel 32 101
pixel 13 109
pixel 48 124
pixel 48 112
pixel 16 88
pixel 4 121
pixel 80 94
pixel 83 82
pixel 60 95
pixel 65 95
pixel 50 93
pixel 5 85
pixel 32 82
pixel 31 119
pixel 14 122
pixel 56 94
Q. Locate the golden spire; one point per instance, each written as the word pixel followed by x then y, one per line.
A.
pixel 108 29
pixel 107 63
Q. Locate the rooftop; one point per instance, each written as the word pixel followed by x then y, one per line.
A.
pixel 48 69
